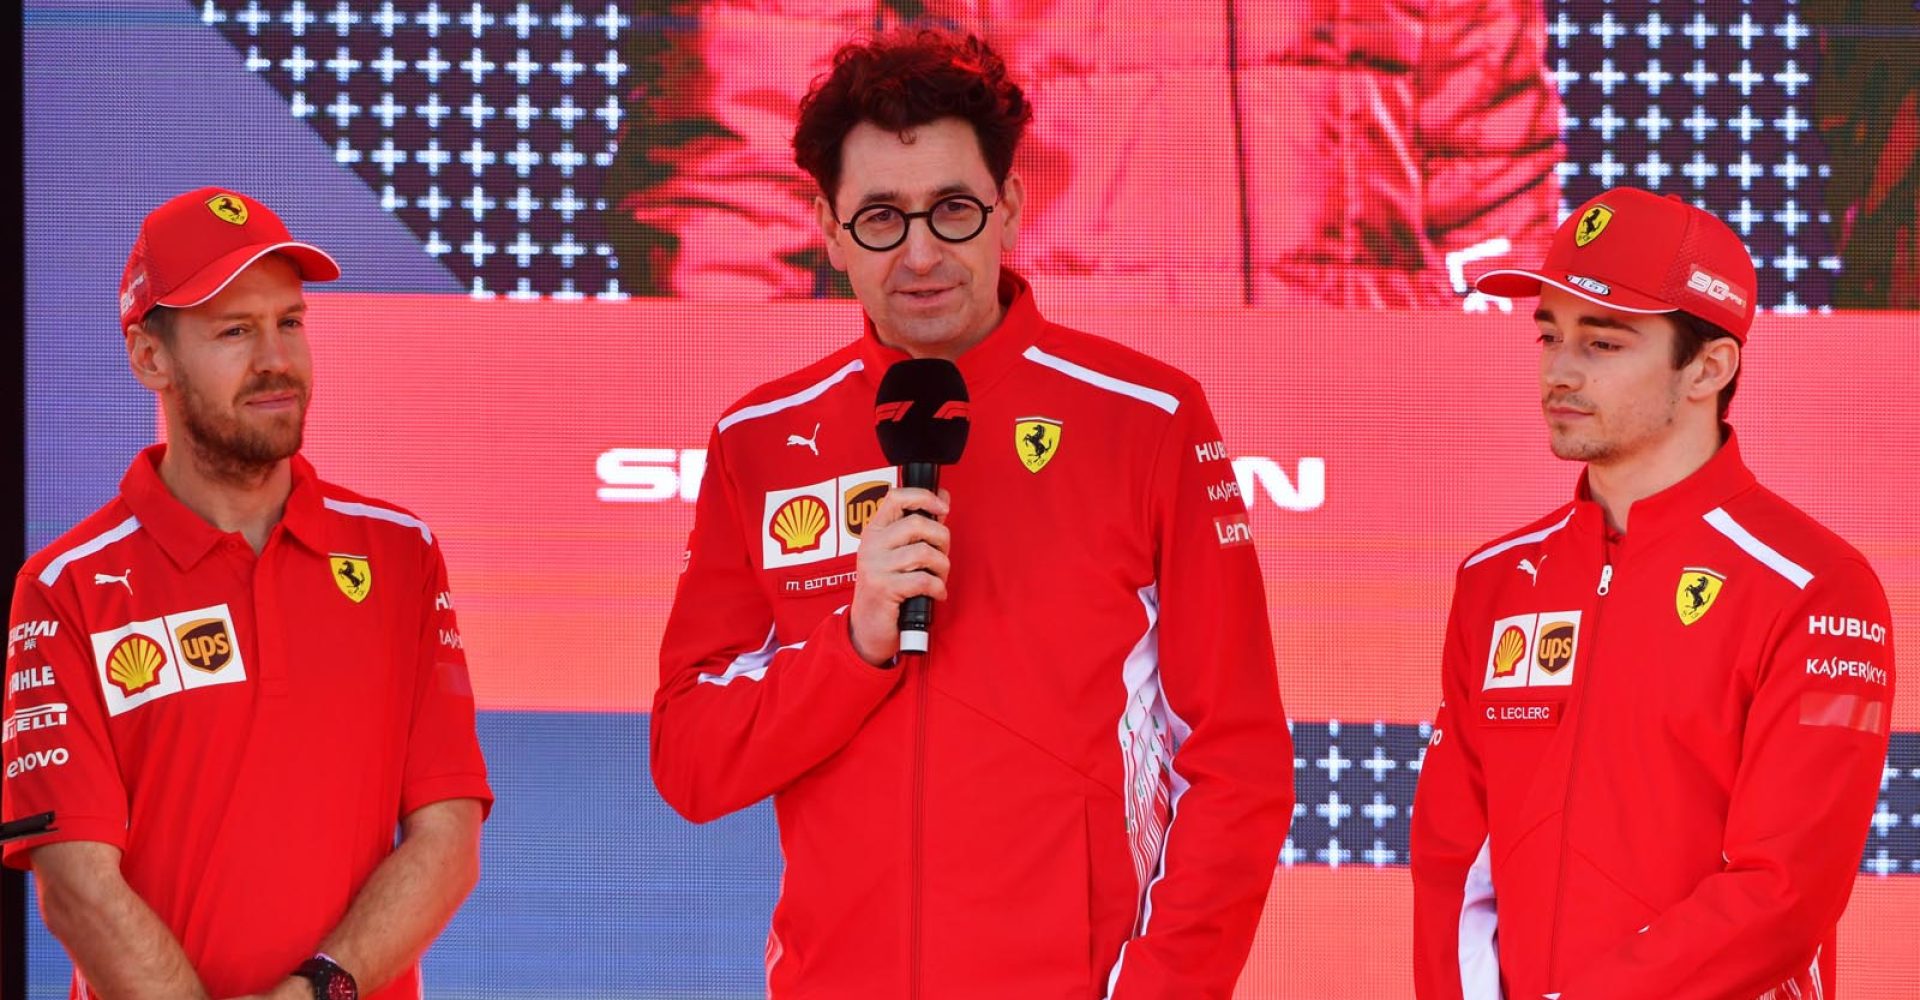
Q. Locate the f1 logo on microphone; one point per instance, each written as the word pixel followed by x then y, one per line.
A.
pixel 893 413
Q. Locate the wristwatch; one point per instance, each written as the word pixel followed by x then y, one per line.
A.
pixel 330 981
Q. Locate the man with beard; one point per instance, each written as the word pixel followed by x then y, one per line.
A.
pixel 232 682
pixel 1665 705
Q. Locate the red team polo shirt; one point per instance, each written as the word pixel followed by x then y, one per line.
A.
pixel 247 729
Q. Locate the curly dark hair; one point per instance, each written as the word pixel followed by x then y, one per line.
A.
pixel 904 79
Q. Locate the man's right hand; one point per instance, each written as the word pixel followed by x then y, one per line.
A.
pixel 120 945
pixel 901 556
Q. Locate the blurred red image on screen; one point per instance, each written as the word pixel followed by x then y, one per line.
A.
pixel 557 447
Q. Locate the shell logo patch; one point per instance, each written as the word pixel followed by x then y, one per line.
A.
pixel 352 575
pixel 799 524
pixel 228 208
pixel 1509 651
pixel 134 664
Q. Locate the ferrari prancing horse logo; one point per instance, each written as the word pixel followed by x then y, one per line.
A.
pixel 352 575
pixel 228 208
pixel 1036 439
pixel 1592 225
pixel 1697 591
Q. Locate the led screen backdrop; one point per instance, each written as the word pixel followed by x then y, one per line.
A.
pixel 570 241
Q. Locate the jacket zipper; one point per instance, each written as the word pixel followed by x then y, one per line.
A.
pixel 916 835
pixel 1604 586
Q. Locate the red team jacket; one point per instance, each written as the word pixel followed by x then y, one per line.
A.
pixel 247 730
pixel 1082 788
pixel 1656 753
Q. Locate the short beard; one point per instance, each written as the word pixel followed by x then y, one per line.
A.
pixel 1582 451
pixel 230 451
pixel 1604 452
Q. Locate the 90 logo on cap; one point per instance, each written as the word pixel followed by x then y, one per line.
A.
pixel 1717 289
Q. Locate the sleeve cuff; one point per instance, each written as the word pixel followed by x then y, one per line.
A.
pixel 427 791
pixel 93 829
pixel 834 636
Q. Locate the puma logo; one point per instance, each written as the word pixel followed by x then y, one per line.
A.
pixel 809 443
pixel 103 579
pixel 1527 566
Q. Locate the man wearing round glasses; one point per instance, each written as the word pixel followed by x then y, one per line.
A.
pixel 1081 787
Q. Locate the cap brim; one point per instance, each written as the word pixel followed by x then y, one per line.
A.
pixel 312 262
pixel 1511 283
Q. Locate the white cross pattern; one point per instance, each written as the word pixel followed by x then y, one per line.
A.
pixel 1744 134
pixel 1325 816
pixel 497 89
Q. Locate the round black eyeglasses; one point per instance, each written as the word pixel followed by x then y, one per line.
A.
pixel 955 219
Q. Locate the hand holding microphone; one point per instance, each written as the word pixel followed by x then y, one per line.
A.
pixel 920 417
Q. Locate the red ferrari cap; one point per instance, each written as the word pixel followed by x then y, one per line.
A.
pixel 192 246
pixel 1636 251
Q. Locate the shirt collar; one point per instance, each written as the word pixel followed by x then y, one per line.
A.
pixel 1713 484
pixel 185 536
pixel 985 362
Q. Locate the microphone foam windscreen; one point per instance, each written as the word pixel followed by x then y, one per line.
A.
pixel 920 412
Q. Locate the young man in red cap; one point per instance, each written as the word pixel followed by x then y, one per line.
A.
pixel 234 681
pixel 1666 704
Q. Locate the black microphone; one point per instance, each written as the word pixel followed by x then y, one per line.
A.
pixel 920 416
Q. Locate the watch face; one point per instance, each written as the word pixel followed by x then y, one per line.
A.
pixel 330 982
